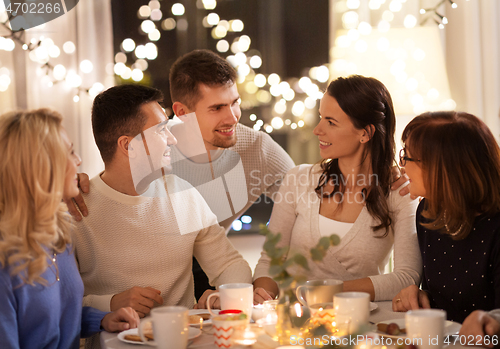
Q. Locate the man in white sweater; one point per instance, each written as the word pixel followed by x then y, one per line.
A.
pixel 136 245
pixel 233 165
pixel 229 155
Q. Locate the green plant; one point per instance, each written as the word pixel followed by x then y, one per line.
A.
pixel 280 261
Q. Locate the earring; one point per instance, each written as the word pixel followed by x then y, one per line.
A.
pixel 361 141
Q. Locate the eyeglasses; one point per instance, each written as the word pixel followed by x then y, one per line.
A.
pixel 403 158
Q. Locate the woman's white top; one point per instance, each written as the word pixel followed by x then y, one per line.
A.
pixel 361 252
pixel 328 226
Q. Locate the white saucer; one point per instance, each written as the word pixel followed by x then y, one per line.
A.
pixel 202 311
pixel 193 333
pixel 450 328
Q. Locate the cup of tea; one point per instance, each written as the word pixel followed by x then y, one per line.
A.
pixel 170 327
pixel 318 291
pixel 234 296
pixel 426 327
pixel 352 310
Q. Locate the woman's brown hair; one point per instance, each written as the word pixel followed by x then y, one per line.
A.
pixel 368 103
pixel 460 161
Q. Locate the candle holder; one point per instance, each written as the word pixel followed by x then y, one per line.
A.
pixel 293 320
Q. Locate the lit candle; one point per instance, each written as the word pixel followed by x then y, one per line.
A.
pixel 258 312
pixel 247 338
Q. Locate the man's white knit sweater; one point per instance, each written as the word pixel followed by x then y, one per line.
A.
pixel 255 160
pixel 149 240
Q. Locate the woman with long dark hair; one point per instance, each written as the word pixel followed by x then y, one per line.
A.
pixel 349 194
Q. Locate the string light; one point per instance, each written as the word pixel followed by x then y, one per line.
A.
pixel 433 14
pixel 178 9
pixel 213 19
pixel 128 45
pixel 209 4
pixel 69 47
pixel 86 66
pixel 41 51
pixel 266 87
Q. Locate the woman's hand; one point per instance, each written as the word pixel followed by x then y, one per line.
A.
pixel 399 178
pixel 410 298
pixel 202 302
pixel 120 320
pixel 261 295
pixel 480 323
pixel 264 289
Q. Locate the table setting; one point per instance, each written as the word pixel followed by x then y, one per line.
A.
pixel 324 317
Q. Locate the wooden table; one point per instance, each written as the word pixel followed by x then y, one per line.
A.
pixel 206 341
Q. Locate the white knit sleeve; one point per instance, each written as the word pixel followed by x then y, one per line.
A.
pixel 100 302
pixel 282 218
pixel 219 259
pixel 217 256
pixel 407 259
pixel 276 162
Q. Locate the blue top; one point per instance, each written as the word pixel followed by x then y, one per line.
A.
pixel 46 316
pixel 462 275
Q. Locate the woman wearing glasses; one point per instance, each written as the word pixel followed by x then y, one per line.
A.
pixel 349 194
pixel 453 161
pixel 41 291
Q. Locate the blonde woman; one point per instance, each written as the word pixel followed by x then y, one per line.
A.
pixel 41 290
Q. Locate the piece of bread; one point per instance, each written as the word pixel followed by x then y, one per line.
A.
pixel 205 316
pixel 195 319
pixel 137 338
pixel 383 328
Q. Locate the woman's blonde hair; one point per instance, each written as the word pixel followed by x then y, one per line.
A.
pixel 33 219
pixel 460 161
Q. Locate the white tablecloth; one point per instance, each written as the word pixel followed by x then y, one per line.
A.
pixel 206 341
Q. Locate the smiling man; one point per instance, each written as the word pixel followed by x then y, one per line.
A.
pixel 136 245
pixel 203 89
pixel 203 85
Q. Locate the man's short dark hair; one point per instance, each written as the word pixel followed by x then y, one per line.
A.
pixel 198 66
pixel 116 112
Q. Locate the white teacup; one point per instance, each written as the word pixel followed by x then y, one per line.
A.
pixel 234 296
pixel 170 327
pixel 352 310
pixel 426 326
pixel 318 291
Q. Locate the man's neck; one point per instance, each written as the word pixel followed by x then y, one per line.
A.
pixel 200 158
pixel 120 180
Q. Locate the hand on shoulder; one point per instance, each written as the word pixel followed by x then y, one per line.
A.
pixel 399 178
pixel 77 204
